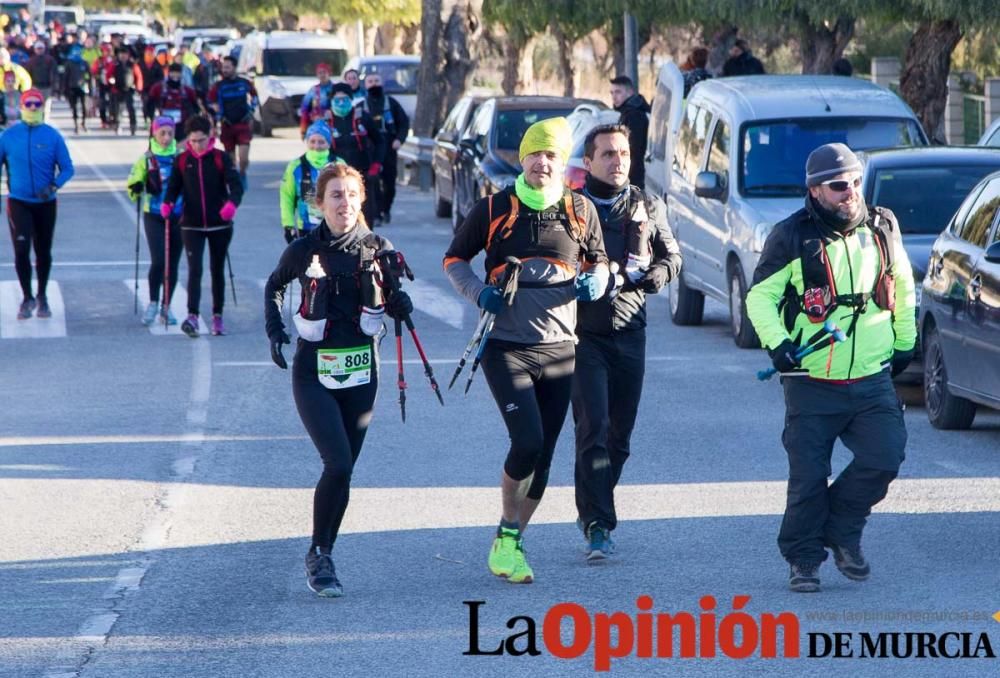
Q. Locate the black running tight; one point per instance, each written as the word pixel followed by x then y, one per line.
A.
pixel 218 247
pixel 337 421
pixel 156 237
pixel 32 223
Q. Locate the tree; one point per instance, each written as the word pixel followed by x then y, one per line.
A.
pixel 428 80
pixel 519 20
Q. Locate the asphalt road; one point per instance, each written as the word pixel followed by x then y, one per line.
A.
pixel 155 492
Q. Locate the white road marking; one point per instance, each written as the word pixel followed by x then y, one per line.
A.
pixel 94 631
pixel 178 304
pixel 117 191
pixel 440 361
pixel 34 327
pixel 430 299
pixel 56 264
pixel 196 438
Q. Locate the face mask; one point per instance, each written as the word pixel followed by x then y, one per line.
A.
pixel 174 82
pixel 317 157
pixel 375 91
pixel 33 116
pixel 341 107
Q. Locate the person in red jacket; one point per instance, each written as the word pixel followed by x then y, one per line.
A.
pixel 103 70
pixel 212 191
pixel 173 99
pixel 126 80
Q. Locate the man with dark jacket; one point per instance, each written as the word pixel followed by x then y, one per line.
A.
pixel 635 115
pixel 359 141
pixel 42 69
pixel 126 81
pixel 741 61
pixel 394 125
pixel 611 353
pixel 835 260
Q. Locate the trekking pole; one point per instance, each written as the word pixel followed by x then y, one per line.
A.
pixel 138 219
pixel 830 330
pixel 400 378
pixel 477 336
pixel 395 266
pixel 166 271
pixel 232 283
pixel 509 286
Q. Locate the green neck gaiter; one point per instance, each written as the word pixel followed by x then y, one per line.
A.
pixel 537 199
pixel 318 159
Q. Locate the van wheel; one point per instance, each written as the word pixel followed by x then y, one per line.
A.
pixel 743 332
pixel 687 307
pixel 442 208
pixel 944 410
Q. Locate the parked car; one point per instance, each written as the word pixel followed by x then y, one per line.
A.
pixel 991 137
pixel 399 76
pixel 730 164
pixel 487 160
pixel 129 32
pixel 446 151
pixel 583 119
pixel 960 312
pixel 187 35
pixel 93 22
pixel 71 17
pixel 221 46
pixel 282 65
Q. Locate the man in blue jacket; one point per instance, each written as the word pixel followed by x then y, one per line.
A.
pixel 38 164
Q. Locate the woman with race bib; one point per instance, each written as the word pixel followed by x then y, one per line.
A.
pixel 335 371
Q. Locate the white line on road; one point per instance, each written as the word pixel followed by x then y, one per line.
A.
pixel 440 361
pixel 34 327
pixel 116 190
pixel 121 262
pixel 430 299
pixel 196 437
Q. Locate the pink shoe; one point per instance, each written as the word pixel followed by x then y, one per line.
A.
pixel 218 329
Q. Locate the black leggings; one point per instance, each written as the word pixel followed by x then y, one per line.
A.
pixel 76 96
pixel 32 223
pixel 337 421
pixel 125 98
pixel 218 246
pixel 531 385
pixel 156 236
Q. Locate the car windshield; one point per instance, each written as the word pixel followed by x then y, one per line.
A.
pixel 64 17
pixel 302 62
pixel 511 125
pixel 397 78
pixel 925 198
pixel 774 153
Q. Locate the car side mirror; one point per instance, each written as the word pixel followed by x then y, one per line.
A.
pixel 709 185
pixel 992 253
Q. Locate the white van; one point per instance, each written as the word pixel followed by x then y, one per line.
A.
pixel 70 16
pixel 282 65
pixel 730 164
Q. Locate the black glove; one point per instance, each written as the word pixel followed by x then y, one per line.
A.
pixel 654 280
pixel 900 361
pixel 135 189
pixel 276 341
pixel 47 193
pixel 783 357
pixel 290 234
pixel 398 305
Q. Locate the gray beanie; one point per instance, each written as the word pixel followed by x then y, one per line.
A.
pixel 828 161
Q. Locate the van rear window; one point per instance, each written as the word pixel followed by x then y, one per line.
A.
pixel 302 62
pixel 773 154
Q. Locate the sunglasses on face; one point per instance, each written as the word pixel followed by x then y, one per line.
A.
pixel 841 185
pixel 32 104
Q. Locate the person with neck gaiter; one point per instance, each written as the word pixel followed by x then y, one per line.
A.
pixel 394 124
pixel 357 139
pixel 529 356
pixel 173 99
pixel 611 352
pixel 336 368
pixel 297 194
pixel 835 260
pixel 38 165
pixel 148 181
pixel 211 188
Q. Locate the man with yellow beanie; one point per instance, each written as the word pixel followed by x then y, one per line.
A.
pixel 529 356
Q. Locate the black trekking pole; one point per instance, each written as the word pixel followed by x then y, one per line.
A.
pixel 232 283
pixel 166 273
pixel 138 219
pixel 477 336
pixel 509 286
pixel 395 266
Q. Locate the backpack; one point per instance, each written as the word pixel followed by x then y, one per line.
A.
pixel 819 290
pixel 124 76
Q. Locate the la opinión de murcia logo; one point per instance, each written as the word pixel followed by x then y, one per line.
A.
pixel 569 631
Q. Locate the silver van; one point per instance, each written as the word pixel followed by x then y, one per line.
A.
pixel 730 163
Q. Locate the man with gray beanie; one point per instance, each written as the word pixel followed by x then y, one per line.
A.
pixel 835 261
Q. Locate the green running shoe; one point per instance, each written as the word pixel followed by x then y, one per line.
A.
pixel 503 558
pixel 522 574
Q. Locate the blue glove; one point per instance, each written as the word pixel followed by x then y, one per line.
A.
pixel 592 285
pixel 490 300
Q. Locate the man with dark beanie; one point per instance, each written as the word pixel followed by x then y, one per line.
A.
pixel 835 260
pixel 611 331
